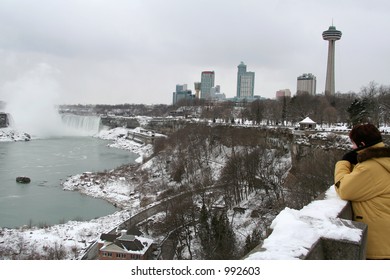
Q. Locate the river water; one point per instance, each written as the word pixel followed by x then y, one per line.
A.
pixel 48 162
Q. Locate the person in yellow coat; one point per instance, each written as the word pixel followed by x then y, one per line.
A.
pixel 362 176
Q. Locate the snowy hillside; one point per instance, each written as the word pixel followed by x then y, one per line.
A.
pixel 120 187
pixel 117 187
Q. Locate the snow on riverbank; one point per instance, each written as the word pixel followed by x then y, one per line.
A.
pixel 117 188
pixel 74 236
pixel 119 137
pixel 8 134
pixel 117 191
pixel 69 239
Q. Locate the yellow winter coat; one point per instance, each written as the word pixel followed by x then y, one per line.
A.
pixel 367 185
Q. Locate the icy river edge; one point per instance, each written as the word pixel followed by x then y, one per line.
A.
pixel 74 237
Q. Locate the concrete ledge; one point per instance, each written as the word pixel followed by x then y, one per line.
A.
pixel 321 230
pixel 333 249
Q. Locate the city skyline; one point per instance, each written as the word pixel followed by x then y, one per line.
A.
pixel 95 52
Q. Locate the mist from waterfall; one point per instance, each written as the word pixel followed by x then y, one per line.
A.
pixel 31 101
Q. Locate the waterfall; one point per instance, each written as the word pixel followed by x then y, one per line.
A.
pixel 84 125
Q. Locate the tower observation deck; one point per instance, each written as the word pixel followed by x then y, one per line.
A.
pixel 331 35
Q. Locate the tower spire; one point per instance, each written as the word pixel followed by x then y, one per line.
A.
pixel 331 35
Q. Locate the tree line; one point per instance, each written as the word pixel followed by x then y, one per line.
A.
pixel 370 104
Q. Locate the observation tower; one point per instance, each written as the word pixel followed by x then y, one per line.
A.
pixel 331 35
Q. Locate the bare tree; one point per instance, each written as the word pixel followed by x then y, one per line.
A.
pixel 311 175
pixel 181 219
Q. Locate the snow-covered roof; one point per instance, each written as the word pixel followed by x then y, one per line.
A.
pixel 307 120
pixel 125 244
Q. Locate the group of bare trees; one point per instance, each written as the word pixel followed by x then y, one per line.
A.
pixel 248 160
pixel 259 168
pixel 213 162
pixel 210 162
pixel 310 176
pixel 325 110
pixel 22 249
pixel 186 223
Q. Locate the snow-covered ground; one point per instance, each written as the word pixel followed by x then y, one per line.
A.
pixel 118 137
pixel 75 236
pixel 8 134
pixel 72 237
pixel 117 188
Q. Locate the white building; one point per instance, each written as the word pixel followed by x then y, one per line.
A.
pixel 206 83
pixel 306 83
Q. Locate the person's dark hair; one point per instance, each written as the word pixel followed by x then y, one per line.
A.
pixel 365 133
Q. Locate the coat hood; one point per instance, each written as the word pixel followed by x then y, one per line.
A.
pixel 379 152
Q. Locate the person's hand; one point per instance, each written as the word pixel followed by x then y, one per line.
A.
pixel 351 157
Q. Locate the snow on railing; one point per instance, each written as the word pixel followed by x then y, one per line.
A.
pixel 321 230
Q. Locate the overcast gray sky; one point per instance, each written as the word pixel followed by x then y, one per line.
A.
pixel 136 51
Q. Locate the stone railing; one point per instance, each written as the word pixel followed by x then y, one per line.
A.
pixel 322 230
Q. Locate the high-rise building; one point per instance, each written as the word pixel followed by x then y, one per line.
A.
pixel 241 71
pixel 306 83
pixel 245 82
pixel 181 87
pixel 283 93
pixel 331 35
pixel 215 93
pixel 197 87
pixel 206 83
pixel 215 90
pixel 181 93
